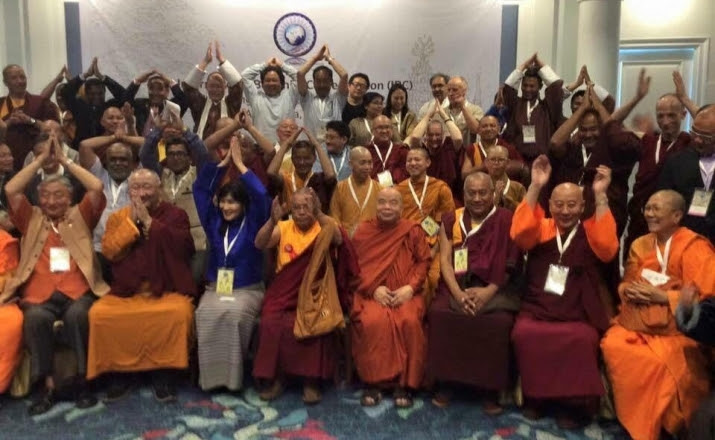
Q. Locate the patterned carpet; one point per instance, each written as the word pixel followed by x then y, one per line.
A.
pixel 225 416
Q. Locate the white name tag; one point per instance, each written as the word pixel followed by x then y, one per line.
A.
pixel 430 226
pixel 460 261
pixel 556 279
pixel 529 132
pixel 654 278
pixel 224 282
pixel 59 259
pixel 385 179
pixel 700 203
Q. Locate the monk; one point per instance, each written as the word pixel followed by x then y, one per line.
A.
pixel 355 198
pixel 306 243
pixel 659 375
pixel 303 157
pixel 475 155
pixel 507 193
pixel 147 322
pixel 388 158
pixel 556 333
pixel 425 199
pixel 473 296
pixel 389 344
pixel 10 314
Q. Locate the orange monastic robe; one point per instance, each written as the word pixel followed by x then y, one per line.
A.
pixel 10 314
pixel 438 201
pixel 348 211
pixel 389 344
pixel 658 374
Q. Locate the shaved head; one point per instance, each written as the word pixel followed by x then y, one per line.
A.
pixel 673 199
pixel 381 119
pixel 567 189
pixel 144 173
pixel 359 152
pixel 478 176
pixel 566 205
pixel 389 206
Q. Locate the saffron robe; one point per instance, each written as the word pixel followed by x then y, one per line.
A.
pixel 475 350
pixel 389 344
pixel 278 348
pixel 147 321
pixel 438 201
pixel 10 314
pixel 348 212
pixel 556 336
pixel 647 180
pixel 659 376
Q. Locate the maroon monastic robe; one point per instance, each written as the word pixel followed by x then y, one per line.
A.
pixel 21 138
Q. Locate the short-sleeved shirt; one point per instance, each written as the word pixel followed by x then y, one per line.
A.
pixel 318 112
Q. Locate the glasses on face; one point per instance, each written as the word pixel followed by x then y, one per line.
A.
pixel 655 209
pixel 359 85
pixel 706 138
pixel 497 159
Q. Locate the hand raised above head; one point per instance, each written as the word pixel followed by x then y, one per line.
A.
pixel 601 180
pixel 541 170
pixel 643 84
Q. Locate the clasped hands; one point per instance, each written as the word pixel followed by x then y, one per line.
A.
pixel 471 300
pixel 393 298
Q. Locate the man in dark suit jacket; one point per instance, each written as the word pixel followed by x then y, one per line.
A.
pixel 22 113
pixel 88 112
pixel 158 103
pixel 690 172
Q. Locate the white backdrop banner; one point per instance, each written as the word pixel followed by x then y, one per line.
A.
pixel 391 40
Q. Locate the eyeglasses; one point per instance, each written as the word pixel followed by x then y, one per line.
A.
pixel 359 85
pixel 706 138
pixel 497 159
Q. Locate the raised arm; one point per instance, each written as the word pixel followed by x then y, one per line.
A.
pixel 340 70
pixel 328 170
pixel 192 83
pixel 413 140
pixel 643 86
pixel 49 89
pixel 275 165
pixel 598 105
pixel 557 145
pixel 305 68
pixel 88 149
pixel 232 77
pixel 148 153
pixel 270 234
pixel 683 95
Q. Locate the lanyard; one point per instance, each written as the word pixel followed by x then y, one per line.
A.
pixel 506 187
pixel 367 125
pixel 563 247
pixel 54 228
pixel 387 156
pixel 484 152
pixel 398 119
pixel 529 110
pixel 657 148
pixel 414 194
pixel 228 246
pixel 342 163
pixel 115 191
pixel 352 191
pixel 586 156
pixel 321 106
pixel 475 229
pixel 176 185
pixel 707 173
pixel 292 180
pixel 663 259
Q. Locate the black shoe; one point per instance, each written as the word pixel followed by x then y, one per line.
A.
pixel 163 392
pixel 43 404
pixel 84 399
pixel 117 391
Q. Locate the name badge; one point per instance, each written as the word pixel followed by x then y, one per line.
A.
pixel 654 278
pixel 385 179
pixel 529 132
pixel 460 261
pixel 700 203
pixel 59 259
pixel 224 282
pixel 556 279
pixel 430 226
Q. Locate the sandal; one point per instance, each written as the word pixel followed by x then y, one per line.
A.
pixel 272 392
pixel 371 397
pixel 402 398
pixel 311 393
pixel 441 399
pixel 492 408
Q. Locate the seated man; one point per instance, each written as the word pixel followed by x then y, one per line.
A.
pixel 556 333
pixel 507 193
pixel 355 199
pixel 476 264
pixel 302 175
pixel 658 374
pixel 52 127
pixel 58 276
pixel 51 167
pixel 425 199
pixel 475 154
pixel 304 244
pixel 389 343
pixel 147 321
pixel 206 110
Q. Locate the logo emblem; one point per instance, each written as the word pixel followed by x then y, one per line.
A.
pixel 294 35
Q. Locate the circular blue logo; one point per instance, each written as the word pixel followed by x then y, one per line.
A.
pixel 294 34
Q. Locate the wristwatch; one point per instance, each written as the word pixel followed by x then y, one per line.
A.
pixel 33 121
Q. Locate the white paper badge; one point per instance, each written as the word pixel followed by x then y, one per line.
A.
pixel 385 179
pixel 430 226
pixel 224 282
pixel 556 279
pixel 700 203
pixel 654 278
pixel 460 261
pixel 529 132
pixel 59 259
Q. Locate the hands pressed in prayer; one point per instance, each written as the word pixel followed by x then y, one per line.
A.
pixel 235 152
pixel 274 62
pixel 288 143
pixel 244 119
pixel 18 117
pixel 526 64
pixel 64 74
pixel 499 101
pixel 601 180
pixel 642 292
pixel 540 171
pixel 217 49
pixel 128 113
pixel 44 151
pixel 209 56
pixel 679 86
pixel 140 214
pixel 316 202
pixel 57 151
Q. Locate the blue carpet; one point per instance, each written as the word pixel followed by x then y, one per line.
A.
pixel 225 416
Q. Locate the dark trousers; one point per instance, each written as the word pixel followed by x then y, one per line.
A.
pixel 40 336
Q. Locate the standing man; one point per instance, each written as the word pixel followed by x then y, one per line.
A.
pixel 358 85
pixel 355 198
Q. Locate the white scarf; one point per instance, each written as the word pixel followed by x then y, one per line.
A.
pixel 205 115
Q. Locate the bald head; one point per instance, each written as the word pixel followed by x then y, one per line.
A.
pixel 704 126
pixel 567 189
pixel 389 206
pixel 669 115
pixel 478 177
pixel 357 153
pixel 144 174
pixel 566 205
pixel 671 199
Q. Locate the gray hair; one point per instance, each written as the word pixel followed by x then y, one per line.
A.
pixel 145 171
pixel 56 178
pixel 479 175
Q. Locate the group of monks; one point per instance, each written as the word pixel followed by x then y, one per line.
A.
pixel 439 250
